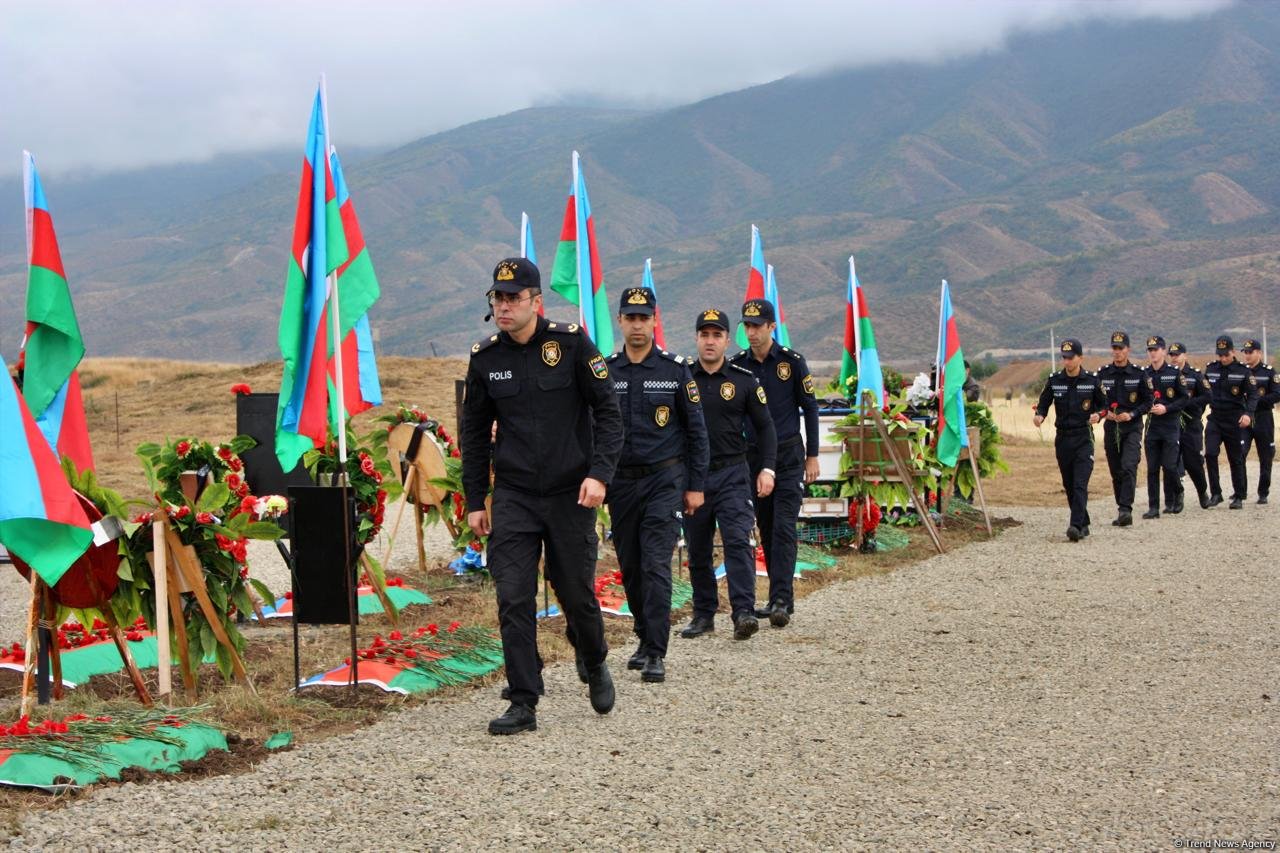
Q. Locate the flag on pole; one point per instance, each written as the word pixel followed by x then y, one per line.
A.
pixel 659 337
pixel 780 333
pixel 869 376
pixel 319 249
pixel 755 280
pixel 52 347
pixel 577 274
pixel 952 434
pixel 357 291
pixel 41 520
pixel 849 358
pixel 527 250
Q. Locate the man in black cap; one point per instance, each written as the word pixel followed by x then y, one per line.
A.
pixel 1191 438
pixel 662 471
pixel 788 385
pixel 1128 399
pixel 1262 431
pixel 1231 407
pixel 1078 404
pixel 1164 428
pixel 559 433
pixel 731 397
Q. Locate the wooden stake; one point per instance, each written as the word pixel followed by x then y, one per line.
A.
pixel 194 575
pixel 905 476
pixel 29 664
pixel 422 547
pixel 55 655
pixel 161 577
pixel 395 528
pixel 130 665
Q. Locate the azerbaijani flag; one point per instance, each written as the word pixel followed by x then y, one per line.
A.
pixel 659 337
pixel 755 280
pixel 849 358
pixel 41 520
pixel 357 291
pixel 53 347
pixel 952 434
pixel 577 274
pixel 319 249
pixel 780 334
pixel 527 250
pixel 869 376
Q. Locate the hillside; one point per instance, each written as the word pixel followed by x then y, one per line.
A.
pixel 1095 176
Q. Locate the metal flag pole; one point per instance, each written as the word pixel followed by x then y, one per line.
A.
pixel 524 234
pixel 581 238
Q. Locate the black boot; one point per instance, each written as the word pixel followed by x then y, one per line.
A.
pixel 1236 503
pixel 518 718
pixel 1204 500
pixel 1124 519
pixel 636 661
pixel 744 625
pixel 582 667
pixel 1214 500
pixel 653 672
pixel 601 689
pixel 1073 533
pixel 1151 513
pixel 698 626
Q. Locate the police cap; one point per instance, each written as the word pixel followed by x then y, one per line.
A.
pixel 1250 345
pixel 637 300
pixel 1155 342
pixel 513 275
pixel 1223 345
pixel 1071 347
pixel 1177 348
pixel 758 311
pixel 712 317
pixel 1119 339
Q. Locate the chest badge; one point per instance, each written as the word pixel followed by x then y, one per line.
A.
pixel 784 370
pixel 1133 396
pixel 1235 390
pixel 662 415
pixel 1086 404
pixel 551 353
pixel 727 390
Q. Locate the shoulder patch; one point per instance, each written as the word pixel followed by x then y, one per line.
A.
pixel 599 369
pixel 738 356
pixel 760 395
pixel 797 356
pixel 691 389
pixel 612 358
pixel 670 356
pixel 485 344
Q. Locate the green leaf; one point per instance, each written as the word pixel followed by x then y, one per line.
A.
pixel 262 529
pixel 267 596
pixel 241 443
pixel 208 642
pixel 214 497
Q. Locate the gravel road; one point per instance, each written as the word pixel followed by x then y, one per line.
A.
pixel 1025 692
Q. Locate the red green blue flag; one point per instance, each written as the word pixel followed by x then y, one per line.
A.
pixel 849 356
pixel 41 519
pixel 780 333
pixel 659 336
pixel 869 376
pixel 53 347
pixel 755 279
pixel 577 274
pixel 952 434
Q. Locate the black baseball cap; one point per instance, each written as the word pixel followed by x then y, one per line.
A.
pixel 637 300
pixel 1223 345
pixel 1250 345
pixel 1070 346
pixel 712 317
pixel 1155 342
pixel 758 312
pixel 513 275
pixel 1119 339
pixel 1176 348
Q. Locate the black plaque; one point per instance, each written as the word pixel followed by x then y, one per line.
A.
pixel 256 418
pixel 321 585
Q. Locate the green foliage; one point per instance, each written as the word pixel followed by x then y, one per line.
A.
pixel 990 460
pixel 980 370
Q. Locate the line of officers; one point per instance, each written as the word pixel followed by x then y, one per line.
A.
pixel 666 442
pixel 1171 397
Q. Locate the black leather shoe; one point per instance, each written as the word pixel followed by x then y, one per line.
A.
pixel 1214 500
pixel 636 661
pixel 653 672
pixel 1084 531
pixel 1262 499
pixel 778 615
pixel 1124 519
pixel 1205 503
pixel 698 626
pixel 1151 513
pixel 1236 503
pixel 763 612
pixel 582 667
pixel 518 718
pixel 601 689
pixel 1073 533
pixel 1175 509
pixel 744 625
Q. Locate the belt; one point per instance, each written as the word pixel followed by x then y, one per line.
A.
pixel 788 442
pixel 726 461
pixel 635 472
pixel 1073 430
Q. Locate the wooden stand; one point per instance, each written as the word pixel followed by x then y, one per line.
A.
pixel 970 454
pixel 426 463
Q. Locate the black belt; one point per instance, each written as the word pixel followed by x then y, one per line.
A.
pixel 635 472
pixel 1073 430
pixel 788 442
pixel 726 461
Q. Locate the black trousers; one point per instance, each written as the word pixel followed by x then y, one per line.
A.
pixel 776 517
pixel 1191 457
pixel 1163 448
pixel 646 514
pixel 1225 433
pixel 1123 453
pixel 523 525
pixel 1262 432
pixel 1074 450
pixel 729 504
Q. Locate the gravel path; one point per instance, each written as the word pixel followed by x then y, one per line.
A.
pixel 1025 692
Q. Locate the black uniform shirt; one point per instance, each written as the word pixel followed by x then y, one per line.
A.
pixel 1268 386
pixel 1235 389
pixel 731 396
pixel 1127 388
pixel 558 419
pixel 1074 399
pixel 661 415
pixel 1166 382
pixel 785 377
pixel 1197 388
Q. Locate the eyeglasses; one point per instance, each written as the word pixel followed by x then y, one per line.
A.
pixel 497 298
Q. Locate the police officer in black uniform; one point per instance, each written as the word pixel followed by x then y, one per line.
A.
pixel 663 469
pixel 1128 399
pixel 1078 404
pixel 559 435
pixel 731 396
pixel 1164 427
pixel 1262 431
pixel 1191 439
pixel 1231 407
pixel 788 385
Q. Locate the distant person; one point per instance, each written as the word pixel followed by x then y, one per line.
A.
pixel 1164 429
pixel 1262 432
pixel 1078 404
pixel 972 390
pixel 1191 438
pixel 1231 406
pixel 1128 399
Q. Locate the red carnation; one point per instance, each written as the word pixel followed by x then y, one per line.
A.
pixel 234 463
pixel 455 454
pixel 204 517
pixel 433 629
pixel 182 511
pixel 234 481
pixel 396 635
pixel 183 448
pixel 453 626
pixel 240 388
pixel 410 653
pixel 1157 395
pixel 224 453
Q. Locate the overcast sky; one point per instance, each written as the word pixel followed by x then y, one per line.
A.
pixel 104 85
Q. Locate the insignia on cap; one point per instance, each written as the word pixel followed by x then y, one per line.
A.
pixel 727 390
pixel 506 272
pixel 635 296
pixel 1066 347
pixel 1152 342
pixel 1117 338
pixel 711 314
pixel 751 310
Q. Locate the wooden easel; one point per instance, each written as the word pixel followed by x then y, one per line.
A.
pixel 970 454
pixel 426 463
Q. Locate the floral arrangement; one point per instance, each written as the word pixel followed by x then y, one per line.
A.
pixel 425 648
pixel 606 580
pixel 240 388
pixel 78 738
pixel 990 460
pixel 451 483
pixel 920 462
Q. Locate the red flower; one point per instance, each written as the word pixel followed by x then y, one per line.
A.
pixel 234 481
pixel 433 629
pixel 1115 405
pixel 240 388
pixel 1157 395
pixel 133 636
pixel 455 454
pixel 396 635
pixel 247 505
pixel 366 465
pixel 234 463
pixel 204 517
pixel 224 453
pixel 182 511
pixel 453 626
pixel 183 448
pixel 410 654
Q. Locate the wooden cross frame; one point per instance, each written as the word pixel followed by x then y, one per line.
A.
pixel 970 454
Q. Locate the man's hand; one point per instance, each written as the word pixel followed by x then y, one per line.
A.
pixel 591 493
pixel 810 469
pixel 1158 409
pixel 693 500
pixel 1039 419
pixel 478 521
pixel 764 484
pixel 1093 419
pixel 1124 417
pixel 1245 420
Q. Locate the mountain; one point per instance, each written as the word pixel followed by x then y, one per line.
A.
pixel 1103 175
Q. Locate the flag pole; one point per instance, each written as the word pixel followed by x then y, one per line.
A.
pixel 942 331
pixel 524 232
pixel 577 254
pixel 857 318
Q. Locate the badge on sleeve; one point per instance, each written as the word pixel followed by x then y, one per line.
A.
pixel 760 395
pixel 599 369
pixel 691 388
pixel 784 370
pixel 807 382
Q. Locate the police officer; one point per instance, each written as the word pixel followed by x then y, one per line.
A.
pixel 663 469
pixel 1191 439
pixel 1128 399
pixel 731 396
pixel 1164 428
pixel 1231 407
pixel 545 385
pixel 789 388
pixel 1263 429
pixel 1078 403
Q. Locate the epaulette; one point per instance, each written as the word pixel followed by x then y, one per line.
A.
pixel 563 328
pixel 791 353
pixel 485 344
pixel 670 356
pixel 739 355
pixel 743 369
pixel 612 358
